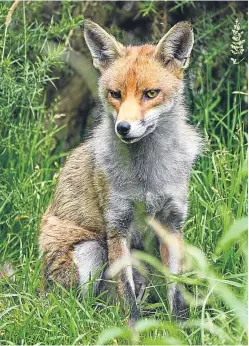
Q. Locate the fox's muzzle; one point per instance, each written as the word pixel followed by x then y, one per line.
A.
pixel 133 131
pixel 130 132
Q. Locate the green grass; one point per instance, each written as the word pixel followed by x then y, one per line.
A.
pixel 30 159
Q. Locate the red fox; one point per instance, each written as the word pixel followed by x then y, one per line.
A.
pixel 142 150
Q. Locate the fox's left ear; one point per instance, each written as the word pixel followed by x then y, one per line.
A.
pixel 103 47
pixel 175 47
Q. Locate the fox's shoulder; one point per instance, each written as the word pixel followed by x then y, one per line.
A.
pixel 192 141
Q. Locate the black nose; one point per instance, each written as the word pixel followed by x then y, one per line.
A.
pixel 123 128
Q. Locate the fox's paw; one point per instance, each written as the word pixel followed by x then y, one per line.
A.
pixel 179 306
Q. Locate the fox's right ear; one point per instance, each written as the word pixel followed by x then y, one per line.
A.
pixel 103 47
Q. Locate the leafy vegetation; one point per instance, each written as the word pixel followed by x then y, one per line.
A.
pixel 31 157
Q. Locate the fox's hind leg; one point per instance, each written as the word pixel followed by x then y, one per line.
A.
pixel 73 255
pixel 63 260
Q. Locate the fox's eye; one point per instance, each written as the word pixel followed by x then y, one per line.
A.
pixel 151 94
pixel 115 94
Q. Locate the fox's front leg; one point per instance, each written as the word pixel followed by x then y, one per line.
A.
pixel 118 240
pixel 172 258
pixel 172 255
pixel 118 248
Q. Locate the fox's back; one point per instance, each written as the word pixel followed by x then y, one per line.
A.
pixel 81 192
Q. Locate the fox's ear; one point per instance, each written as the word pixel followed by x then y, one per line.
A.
pixel 103 47
pixel 175 47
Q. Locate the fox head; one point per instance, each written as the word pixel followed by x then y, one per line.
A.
pixel 139 84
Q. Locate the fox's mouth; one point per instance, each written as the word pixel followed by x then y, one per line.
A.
pixel 130 140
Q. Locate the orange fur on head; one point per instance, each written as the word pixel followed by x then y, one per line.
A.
pixel 137 71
